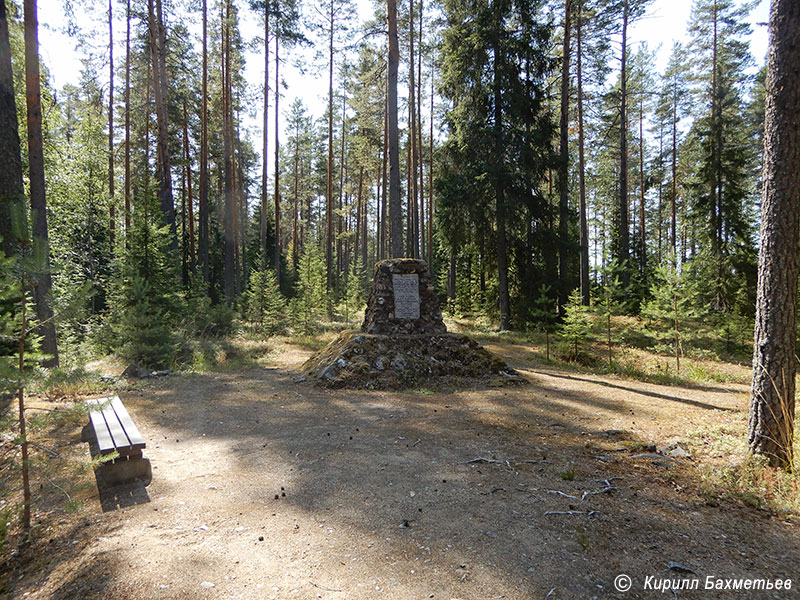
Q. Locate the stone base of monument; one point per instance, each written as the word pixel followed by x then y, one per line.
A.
pixel 403 341
pixel 362 360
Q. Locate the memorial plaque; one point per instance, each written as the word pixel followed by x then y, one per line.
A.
pixel 406 296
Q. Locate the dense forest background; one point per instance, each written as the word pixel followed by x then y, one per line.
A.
pixel 539 153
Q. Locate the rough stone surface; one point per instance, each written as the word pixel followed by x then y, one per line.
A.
pixel 403 341
pixel 381 317
pixel 362 360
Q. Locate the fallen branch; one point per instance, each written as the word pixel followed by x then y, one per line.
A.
pixel 557 493
pixel 323 588
pixel 485 460
pixel 591 513
pixel 564 512
pixel 606 490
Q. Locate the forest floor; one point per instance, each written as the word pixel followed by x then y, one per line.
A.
pixel 268 488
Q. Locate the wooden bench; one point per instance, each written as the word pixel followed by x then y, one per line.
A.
pixel 110 430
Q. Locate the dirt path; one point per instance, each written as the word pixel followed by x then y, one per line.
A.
pixel 265 488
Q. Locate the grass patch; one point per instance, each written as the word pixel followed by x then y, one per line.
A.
pixel 568 475
pixel 61 383
pixel 731 473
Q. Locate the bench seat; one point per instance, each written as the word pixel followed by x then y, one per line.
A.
pixel 111 429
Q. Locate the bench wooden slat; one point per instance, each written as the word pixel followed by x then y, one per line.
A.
pixel 135 438
pixel 114 427
pixel 105 443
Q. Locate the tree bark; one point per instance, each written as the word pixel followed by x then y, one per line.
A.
pixel 563 168
pixel 127 123
pixel 584 228
pixel 413 188
pixel 430 176
pixel 202 240
pixel 112 209
pixel 190 199
pixel 230 249
pixel 329 179
pixel 264 176
pixel 623 236
pixel 772 397
pixel 500 199
pixel 642 190
pixel 395 209
pixel 33 97
pixel 11 187
pixel 159 59
pixel 277 191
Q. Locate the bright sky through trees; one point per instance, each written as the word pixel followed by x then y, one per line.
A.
pixel 666 20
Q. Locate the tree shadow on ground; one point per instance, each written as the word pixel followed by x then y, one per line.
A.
pixel 389 476
pixel 650 394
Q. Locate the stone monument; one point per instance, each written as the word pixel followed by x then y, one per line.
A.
pixel 403 339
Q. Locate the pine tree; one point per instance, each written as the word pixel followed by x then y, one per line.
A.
pixel 499 142
pixel 33 95
pixel 670 307
pixel 545 315
pixel 265 304
pixel 722 186
pixel 310 299
pixel 772 394
pixel 577 324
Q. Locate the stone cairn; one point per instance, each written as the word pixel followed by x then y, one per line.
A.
pixel 403 340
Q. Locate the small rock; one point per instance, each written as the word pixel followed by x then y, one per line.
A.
pixel 134 371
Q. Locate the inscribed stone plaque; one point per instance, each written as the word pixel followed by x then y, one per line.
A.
pixel 406 296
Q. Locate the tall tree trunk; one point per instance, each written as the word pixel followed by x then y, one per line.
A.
pixel 277 192
pixel 674 187
pixel 190 199
pixel 159 59
pixel 623 236
pixel 296 200
pixel 420 159
pixel 230 249
pixel 112 209
pixel 264 176
pixel 329 179
pixel 563 168
pixel 127 123
pixel 359 214
pixel 382 222
pixel 430 176
pixel 184 237
pixel 11 187
pixel 395 208
pixel 772 396
pixel 717 249
pixel 642 220
pixel 584 228
pixel 33 98
pixel 341 204
pixel 500 199
pixel 203 201
pixel 413 190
